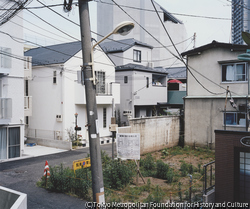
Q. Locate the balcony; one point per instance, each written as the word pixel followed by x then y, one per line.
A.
pixel 28 68
pixel 27 106
pixel 5 108
pixel 104 94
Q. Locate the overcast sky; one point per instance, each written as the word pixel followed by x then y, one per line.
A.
pixel 197 15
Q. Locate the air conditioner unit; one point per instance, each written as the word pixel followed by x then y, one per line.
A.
pixel 59 118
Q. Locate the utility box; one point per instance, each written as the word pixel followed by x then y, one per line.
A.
pixel 112 127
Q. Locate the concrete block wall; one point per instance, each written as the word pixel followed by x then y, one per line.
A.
pixel 156 133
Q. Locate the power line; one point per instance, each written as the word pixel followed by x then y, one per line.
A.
pixel 187 15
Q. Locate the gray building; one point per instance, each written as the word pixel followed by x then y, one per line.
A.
pixel 240 19
pixel 149 28
pixel 142 88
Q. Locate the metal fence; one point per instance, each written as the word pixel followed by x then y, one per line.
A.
pixel 209 177
pixel 44 134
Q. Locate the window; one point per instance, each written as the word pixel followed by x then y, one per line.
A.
pixel 14 142
pixel 5 57
pixel 54 77
pixel 137 56
pixel 244 176
pixel 125 79
pixel 9 142
pixel 235 119
pixel 104 117
pixel 147 80
pixel 234 72
pixel 100 86
pixel 158 80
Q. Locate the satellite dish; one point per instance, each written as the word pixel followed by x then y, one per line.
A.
pixel 246 37
pixel 9 8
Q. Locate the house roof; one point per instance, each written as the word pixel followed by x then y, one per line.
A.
pixel 177 72
pixel 121 45
pixel 54 54
pixel 169 17
pixel 136 67
pixel 215 44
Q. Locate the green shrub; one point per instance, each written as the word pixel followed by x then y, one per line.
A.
pixel 161 169
pixel 148 166
pixel 118 174
pixel 59 180
pixel 105 157
pixel 156 196
pixel 184 169
pixel 64 180
pixel 170 176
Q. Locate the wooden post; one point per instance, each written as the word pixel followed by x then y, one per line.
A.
pixel 137 173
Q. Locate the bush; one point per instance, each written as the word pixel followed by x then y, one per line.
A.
pixel 156 196
pixel 161 169
pixel 170 176
pixel 60 180
pixel 148 166
pixel 64 180
pixel 184 169
pixel 118 174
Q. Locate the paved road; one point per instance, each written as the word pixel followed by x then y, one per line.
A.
pixel 22 175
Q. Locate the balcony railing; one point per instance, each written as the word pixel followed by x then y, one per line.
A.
pixel 5 108
pixel 28 106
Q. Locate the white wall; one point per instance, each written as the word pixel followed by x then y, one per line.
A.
pixel 67 97
pixel 213 71
pixel 13 83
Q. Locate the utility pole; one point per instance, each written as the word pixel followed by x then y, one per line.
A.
pixel 90 91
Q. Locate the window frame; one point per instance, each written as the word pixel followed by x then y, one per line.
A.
pixel 224 73
pixel 104 117
pixel 236 119
pixel 126 79
pixel 101 82
pixel 5 57
pixel 54 77
pixel 136 55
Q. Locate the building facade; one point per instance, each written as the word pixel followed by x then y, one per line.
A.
pixel 142 88
pixel 217 92
pixel 149 30
pixel 58 94
pixel 240 19
pixel 12 121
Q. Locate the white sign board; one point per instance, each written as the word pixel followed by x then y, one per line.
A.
pixel 128 146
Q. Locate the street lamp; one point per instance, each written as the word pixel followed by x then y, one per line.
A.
pixel 123 29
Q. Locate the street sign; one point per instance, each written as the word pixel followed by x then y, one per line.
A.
pixel 83 163
pixel 245 141
pixel 128 146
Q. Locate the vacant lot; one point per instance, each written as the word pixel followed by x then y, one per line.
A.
pixel 182 162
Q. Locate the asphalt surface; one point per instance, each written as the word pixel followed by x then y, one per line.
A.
pixel 22 176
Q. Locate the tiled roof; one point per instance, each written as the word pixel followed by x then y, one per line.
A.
pixel 121 45
pixel 136 67
pixel 177 72
pixel 54 54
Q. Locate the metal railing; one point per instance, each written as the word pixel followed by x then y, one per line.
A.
pixel 27 102
pixel 5 108
pixel 209 177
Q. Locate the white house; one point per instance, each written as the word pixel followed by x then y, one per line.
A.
pixel 214 68
pixel 11 91
pixel 142 88
pixel 149 28
pixel 58 94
